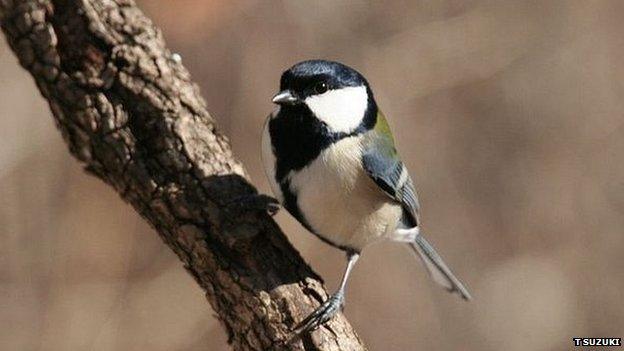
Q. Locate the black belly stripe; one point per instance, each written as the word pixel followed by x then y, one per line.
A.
pixel 290 203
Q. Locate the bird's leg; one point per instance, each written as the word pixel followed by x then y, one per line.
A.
pixel 329 308
pixel 253 202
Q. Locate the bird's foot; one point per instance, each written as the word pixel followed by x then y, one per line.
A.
pixel 254 202
pixel 321 315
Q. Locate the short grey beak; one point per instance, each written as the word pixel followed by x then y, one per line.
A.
pixel 285 97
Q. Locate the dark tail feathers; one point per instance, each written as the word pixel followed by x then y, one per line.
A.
pixel 438 270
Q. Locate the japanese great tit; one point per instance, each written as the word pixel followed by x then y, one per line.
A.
pixel 331 162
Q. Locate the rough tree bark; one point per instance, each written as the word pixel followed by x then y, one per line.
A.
pixel 129 111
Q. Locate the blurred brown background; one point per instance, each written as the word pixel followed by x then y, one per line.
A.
pixel 508 113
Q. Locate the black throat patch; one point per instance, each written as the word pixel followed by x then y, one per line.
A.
pixel 298 137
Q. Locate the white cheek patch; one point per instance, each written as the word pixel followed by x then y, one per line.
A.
pixel 342 109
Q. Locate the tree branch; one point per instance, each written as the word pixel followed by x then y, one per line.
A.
pixel 130 113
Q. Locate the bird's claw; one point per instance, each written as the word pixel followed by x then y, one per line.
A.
pixel 272 206
pixel 321 315
pixel 255 202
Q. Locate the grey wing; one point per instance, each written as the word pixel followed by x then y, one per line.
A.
pixel 383 166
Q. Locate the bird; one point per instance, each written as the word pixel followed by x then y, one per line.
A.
pixel 331 162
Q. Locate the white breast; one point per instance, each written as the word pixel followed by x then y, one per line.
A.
pixel 336 196
pixel 340 201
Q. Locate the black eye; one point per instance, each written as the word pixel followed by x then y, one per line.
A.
pixel 320 88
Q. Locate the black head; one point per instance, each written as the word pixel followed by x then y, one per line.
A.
pixel 321 102
pixel 315 77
